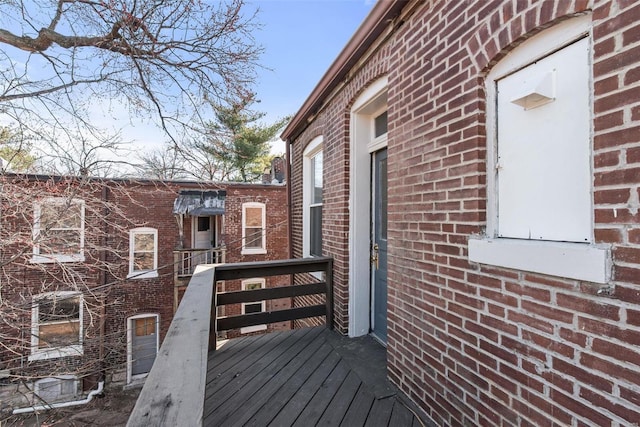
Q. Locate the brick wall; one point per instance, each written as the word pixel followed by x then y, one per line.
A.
pixel 113 208
pixel 473 344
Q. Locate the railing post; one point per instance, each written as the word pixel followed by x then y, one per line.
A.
pixel 328 276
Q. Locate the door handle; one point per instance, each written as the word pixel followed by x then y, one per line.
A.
pixel 374 255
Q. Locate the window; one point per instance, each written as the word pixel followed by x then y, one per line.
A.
pixel 253 229
pixel 312 198
pixel 59 388
pixel 58 230
pixel 143 253
pixel 253 307
pixel 539 215
pixel 56 325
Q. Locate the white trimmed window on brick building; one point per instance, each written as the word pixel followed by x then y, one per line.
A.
pixel 312 198
pixel 253 307
pixel 58 230
pixel 539 179
pixel 254 237
pixel 56 325
pixel 143 253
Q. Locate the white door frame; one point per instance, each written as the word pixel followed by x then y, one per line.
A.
pixel 372 101
pixel 129 326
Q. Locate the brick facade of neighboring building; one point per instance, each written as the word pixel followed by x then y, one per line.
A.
pixel 476 340
pixel 112 296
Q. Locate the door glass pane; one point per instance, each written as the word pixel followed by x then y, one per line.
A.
pixel 146 326
pixel 203 223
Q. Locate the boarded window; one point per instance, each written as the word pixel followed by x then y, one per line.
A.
pixel 58 321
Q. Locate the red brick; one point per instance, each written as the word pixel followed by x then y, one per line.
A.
pixel 611 197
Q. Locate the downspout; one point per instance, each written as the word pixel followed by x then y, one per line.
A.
pixel 289 201
pixel 88 399
pixel 103 260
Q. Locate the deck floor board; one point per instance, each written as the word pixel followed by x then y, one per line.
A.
pixel 303 377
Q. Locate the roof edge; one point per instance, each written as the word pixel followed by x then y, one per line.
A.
pixel 369 30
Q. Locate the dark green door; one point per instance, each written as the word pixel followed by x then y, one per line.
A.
pixel 379 247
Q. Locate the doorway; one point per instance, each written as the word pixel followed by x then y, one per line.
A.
pixel 143 345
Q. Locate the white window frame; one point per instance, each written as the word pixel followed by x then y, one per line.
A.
pixel 53 353
pixel 313 148
pixel 244 284
pixel 130 322
pixel 148 273
pixel 51 258
pixel 581 261
pixel 57 381
pixel 263 244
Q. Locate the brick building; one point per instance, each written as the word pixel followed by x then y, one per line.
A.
pixel 92 271
pixel 473 167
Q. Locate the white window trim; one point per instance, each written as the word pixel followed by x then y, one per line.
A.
pixel 143 274
pixel 312 149
pixel 254 328
pixel 52 258
pixel 254 251
pixel 54 353
pixel 130 377
pixel 581 261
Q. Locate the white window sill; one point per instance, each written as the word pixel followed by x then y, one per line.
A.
pixel 54 353
pixel 255 328
pixel 142 274
pixel 50 259
pixel 578 261
pixel 253 252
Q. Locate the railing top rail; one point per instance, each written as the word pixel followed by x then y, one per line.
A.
pixel 219 248
pixel 243 270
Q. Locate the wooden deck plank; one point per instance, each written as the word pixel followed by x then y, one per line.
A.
pixel 279 399
pixel 359 410
pixel 226 357
pixel 342 400
pixel 324 395
pixel 236 400
pixel 218 379
pixel 235 380
pixel 299 401
pixel 401 416
pixel 303 377
pixel 273 387
pixel 380 412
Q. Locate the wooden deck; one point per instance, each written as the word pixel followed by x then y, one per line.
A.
pixel 302 377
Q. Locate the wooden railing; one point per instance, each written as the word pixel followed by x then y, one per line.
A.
pixel 272 268
pixel 174 391
pixel 186 260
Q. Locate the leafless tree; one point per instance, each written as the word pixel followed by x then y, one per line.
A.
pixel 46 266
pixel 66 64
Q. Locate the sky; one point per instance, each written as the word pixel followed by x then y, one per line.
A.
pixel 301 39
